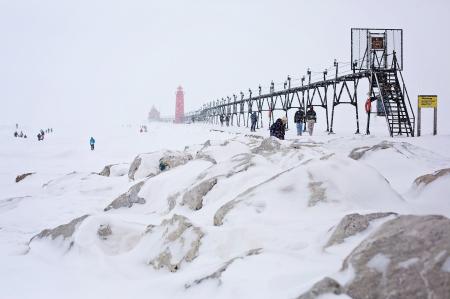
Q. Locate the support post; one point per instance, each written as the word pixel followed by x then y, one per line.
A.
pixel 355 96
pixel 435 121
pixel 419 119
pixel 325 99
pixel 336 65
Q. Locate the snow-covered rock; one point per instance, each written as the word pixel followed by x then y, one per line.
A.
pixel 173 242
pixel 193 198
pixel 359 152
pixel 104 231
pixel 325 286
pixel 427 179
pixel 148 165
pixel 64 232
pixel 267 146
pixel 404 258
pixel 115 170
pixel 216 275
pixel 127 199
pixel 351 225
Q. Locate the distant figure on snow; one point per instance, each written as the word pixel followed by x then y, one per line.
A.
pixel 254 119
pixel 21 134
pixel 311 119
pixel 227 120
pixel 221 120
pixel 278 128
pixel 92 143
pixel 16 134
pixel 299 118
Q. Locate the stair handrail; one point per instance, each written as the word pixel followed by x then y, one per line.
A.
pixel 405 91
pixel 384 106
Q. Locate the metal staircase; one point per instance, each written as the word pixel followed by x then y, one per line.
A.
pixel 396 108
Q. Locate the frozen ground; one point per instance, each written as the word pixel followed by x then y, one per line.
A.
pixel 256 219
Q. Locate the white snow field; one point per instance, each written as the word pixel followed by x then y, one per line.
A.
pixel 232 216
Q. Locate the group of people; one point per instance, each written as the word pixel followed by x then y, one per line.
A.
pixel 143 129
pixel 278 128
pixel 41 134
pixel 20 135
pixel 303 121
pixel 223 118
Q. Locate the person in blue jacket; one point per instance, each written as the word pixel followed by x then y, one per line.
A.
pixel 92 143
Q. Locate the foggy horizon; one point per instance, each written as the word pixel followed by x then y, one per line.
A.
pixel 104 61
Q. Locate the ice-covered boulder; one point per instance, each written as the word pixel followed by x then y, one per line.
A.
pixel 407 257
pixel 267 146
pixel 351 225
pixel 127 199
pixel 174 241
pixel 325 286
pixel 104 231
pixel 203 156
pixel 193 198
pixel 64 232
pixel 359 152
pixel 427 179
pixel 114 170
pixel 148 165
pixel 217 274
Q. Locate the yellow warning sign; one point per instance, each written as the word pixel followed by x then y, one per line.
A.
pixel 427 101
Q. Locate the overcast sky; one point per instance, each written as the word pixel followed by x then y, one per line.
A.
pixel 94 60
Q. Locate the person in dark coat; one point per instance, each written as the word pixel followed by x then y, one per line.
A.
pixel 227 120
pixel 299 118
pixel 221 120
pixel 254 120
pixel 311 119
pixel 278 128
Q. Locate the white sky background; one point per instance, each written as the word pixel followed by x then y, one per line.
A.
pixel 101 61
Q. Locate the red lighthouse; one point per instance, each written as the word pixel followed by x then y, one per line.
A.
pixel 179 106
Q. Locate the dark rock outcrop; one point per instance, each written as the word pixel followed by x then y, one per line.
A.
pixel 23 176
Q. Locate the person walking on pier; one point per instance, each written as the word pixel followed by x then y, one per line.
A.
pixel 227 120
pixel 254 119
pixel 221 120
pixel 278 128
pixel 311 119
pixel 299 119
